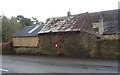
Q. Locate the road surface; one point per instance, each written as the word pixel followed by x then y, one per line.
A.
pixel 45 64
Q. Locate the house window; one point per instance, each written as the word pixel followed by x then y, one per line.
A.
pixel 96 29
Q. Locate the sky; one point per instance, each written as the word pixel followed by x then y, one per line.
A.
pixel 43 9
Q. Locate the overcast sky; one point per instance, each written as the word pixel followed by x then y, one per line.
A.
pixel 42 9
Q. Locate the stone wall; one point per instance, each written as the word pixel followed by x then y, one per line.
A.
pixel 108 48
pixel 111 36
pixel 27 50
pixel 6 47
pixel 69 44
pixel 78 44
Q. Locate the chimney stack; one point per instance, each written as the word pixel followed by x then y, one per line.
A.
pixel 68 13
pixel 101 24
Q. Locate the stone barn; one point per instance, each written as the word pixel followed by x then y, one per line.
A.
pixel 27 40
pixel 69 36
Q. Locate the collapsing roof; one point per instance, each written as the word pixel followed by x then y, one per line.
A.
pixel 81 22
pixel 29 31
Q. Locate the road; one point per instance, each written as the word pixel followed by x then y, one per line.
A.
pixel 45 64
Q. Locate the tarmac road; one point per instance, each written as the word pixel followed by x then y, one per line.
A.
pixel 45 64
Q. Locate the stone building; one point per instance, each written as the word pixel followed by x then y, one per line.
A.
pixel 73 35
pixel 106 24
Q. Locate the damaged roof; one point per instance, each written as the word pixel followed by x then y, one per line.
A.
pixel 81 22
pixel 29 31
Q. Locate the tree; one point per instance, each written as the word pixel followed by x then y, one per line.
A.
pixel 36 21
pixel 0 28
pixel 9 27
pixel 24 21
pixel 5 28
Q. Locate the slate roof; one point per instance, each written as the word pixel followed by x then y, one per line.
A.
pixel 106 15
pixel 29 31
pixel 110 21
pixel 111 27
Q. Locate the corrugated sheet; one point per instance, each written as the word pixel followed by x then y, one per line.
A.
pixel 26 30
